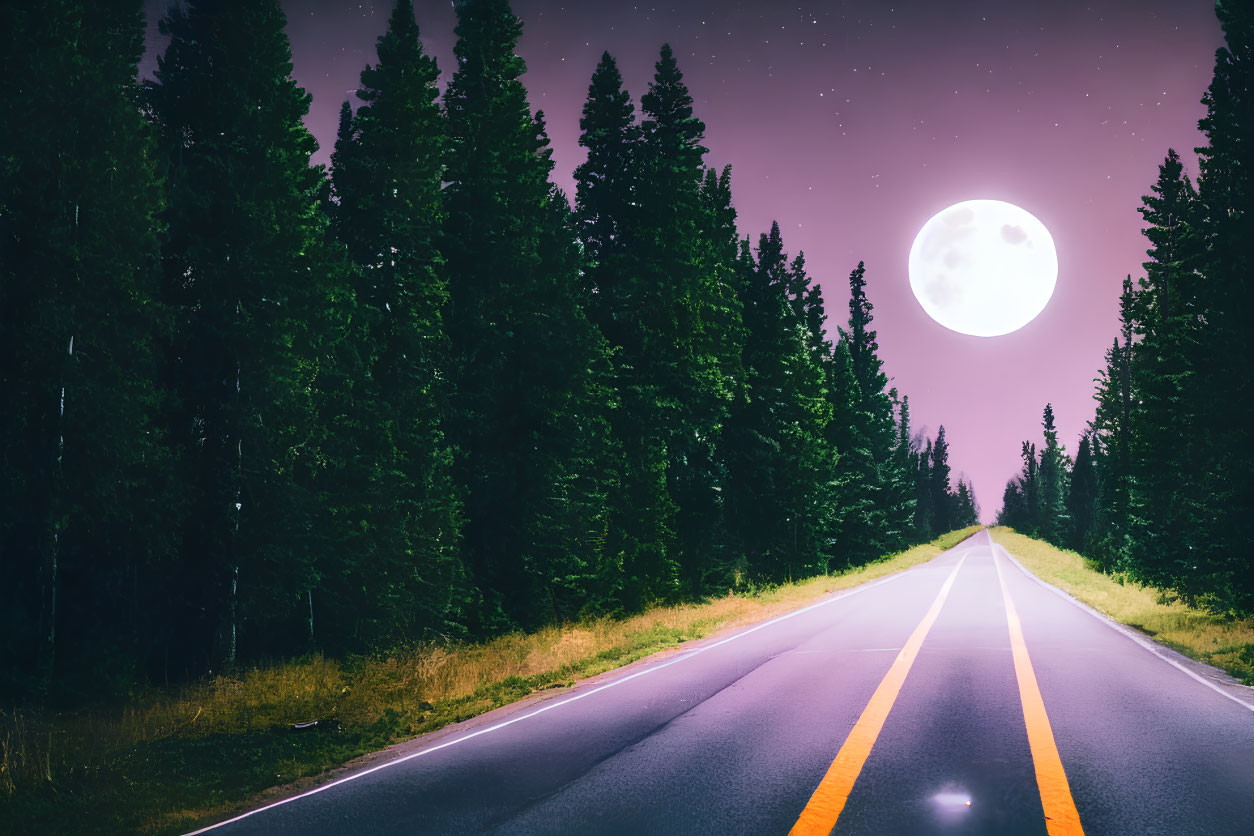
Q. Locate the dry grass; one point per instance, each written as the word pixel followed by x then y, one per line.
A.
pixel 372 700
pixel 1225 642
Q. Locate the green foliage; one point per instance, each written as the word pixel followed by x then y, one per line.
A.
pixel 390 521
pixel 246 272
pixel 530 370
pixel 621 301
pixel 877 487
pixel 690 323
pixel 1082 499
pixel 781 466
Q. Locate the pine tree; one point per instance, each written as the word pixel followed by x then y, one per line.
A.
pixel 924 516
pixel 1225 459
pixel 392 517
pixel 1051 481
pixel 967 511
pixel 694 329
pixel 84 469
pixel 1014 509
pixel 606 191
pixel 858 528
pixel 1110 434
pixel 938 477
pixel 1030 489
pixel 1082 501
pixel 529 367
pixel 875 405
pixel 642 523
pixel 888 486
pixel 702 531
pixel 781 466
pixel 1164 508
pixel 244 266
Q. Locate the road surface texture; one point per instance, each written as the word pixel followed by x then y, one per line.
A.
pixel 961 696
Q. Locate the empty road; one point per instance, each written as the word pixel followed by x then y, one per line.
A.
pixel 961 696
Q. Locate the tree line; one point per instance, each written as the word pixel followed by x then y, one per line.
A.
pixel 1162 480
pixel 255 408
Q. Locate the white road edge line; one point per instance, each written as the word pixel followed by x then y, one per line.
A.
pixel 1122 629
pixel 840 597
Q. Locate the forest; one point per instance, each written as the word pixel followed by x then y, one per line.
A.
pixel 255 408
pixel 1161 486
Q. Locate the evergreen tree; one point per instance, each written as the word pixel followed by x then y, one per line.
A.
pixel 924 515
pixel 967 512
pixel 810 308
pixel 1029 488
pixel 1014 509
pixel 1225 462
pixel 1082 501
pixel 84 470
pixel 1163 505
pixel 943 510
pixel 781 466
pixel 702 530
pixel 642 523
pixel 244 266
pixel 392 516
pixel 909 461
pixel 694 326
pixel 530 369
pixel 875 405
pixel 859 527
pixel 605 192
pixel 1051 483
pixel 1110 434
pixel 889 486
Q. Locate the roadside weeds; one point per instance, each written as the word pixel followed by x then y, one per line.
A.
pixel 1224 642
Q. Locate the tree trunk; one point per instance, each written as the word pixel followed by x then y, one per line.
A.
pixel 51 548
pixel 230 628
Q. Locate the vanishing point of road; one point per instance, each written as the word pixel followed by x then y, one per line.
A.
pixel 961 696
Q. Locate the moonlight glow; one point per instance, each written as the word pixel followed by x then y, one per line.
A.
pixel 983 267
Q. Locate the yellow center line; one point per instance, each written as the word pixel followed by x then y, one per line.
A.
pixel 824 807
pixel 1061 816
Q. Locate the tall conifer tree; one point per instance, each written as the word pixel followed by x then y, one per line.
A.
pixel 889 486
pixel 1110 433
pixel 781 480
pixel 1082 499
pixel 529 367
pixel 1165 506
pixel 938 485
pixel 393 517
pixel 696 328
pixel 1051 478
pixel 1226 180
pixel 245 268
pixel 642 524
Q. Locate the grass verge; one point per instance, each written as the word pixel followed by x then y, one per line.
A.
pixel 1219 640
pixel 170 761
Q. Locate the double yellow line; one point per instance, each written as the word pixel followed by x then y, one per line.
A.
pixel 827 802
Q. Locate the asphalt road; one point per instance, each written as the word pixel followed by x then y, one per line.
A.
pixel 737 734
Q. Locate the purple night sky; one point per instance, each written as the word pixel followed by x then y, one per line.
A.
pixel 852 123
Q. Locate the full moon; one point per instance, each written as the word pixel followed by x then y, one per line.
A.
pixel 983 267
